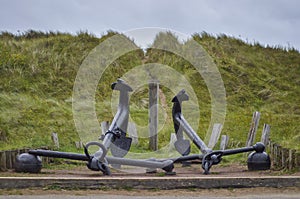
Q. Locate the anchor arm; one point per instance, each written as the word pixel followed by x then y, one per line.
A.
pixel 180 124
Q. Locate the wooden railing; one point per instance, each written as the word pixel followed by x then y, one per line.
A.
pixel 283 158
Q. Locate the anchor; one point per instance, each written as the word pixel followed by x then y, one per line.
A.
pixel 114 139
pixel 257 160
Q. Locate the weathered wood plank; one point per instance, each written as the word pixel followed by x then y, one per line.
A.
pixel 153 114
pixel 173 139
pixel 224 142
pixel 8 159
pixel 78 145
pixel 265 134
pixel 253 129
pixel 292 159
pixel 55 140
pixel 215 135
pixel 132 131
pixel 3 161
pixel 104 127
pixel 13 156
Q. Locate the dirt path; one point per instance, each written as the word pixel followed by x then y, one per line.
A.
pixel 234 170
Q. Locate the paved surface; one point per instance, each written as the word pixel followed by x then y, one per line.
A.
pixel 148 182
pixel 291 196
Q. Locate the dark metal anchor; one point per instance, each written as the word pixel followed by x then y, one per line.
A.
pixel 115 139
pixel 258 160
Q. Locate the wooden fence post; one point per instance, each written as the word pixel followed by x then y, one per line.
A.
pixel 292 158
pixel 270 148
pixel 78 145
pixel 54 137
pixel 275 151
pixel 279 156
pixel 8 159
pixel 265 135
pixel 297 160
pixel 253 129
pixel 173 139
pixel 285 158
pixel 2 161
pixel 224 142
pixel 215 135
pixel 13 156
pixel 26 150
pixel 104 127
pixel 133 132
pixel 153 114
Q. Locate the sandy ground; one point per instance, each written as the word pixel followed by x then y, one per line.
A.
pixel 232 170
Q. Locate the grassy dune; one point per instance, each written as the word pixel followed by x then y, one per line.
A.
pixel 38 70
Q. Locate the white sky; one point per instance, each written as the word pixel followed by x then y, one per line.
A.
pixel 273 22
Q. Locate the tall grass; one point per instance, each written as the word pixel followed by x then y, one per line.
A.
pixel 38 69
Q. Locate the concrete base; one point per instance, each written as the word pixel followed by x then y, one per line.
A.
pixel 148 183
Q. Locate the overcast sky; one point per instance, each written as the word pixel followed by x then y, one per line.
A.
pixel 273 22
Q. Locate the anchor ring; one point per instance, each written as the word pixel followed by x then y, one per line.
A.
pixel 101 146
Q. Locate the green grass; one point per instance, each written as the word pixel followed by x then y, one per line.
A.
pixel 37 73
pixel 262 79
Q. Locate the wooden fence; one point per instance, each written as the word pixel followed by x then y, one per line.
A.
pixel 284 158
pixel 281 158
